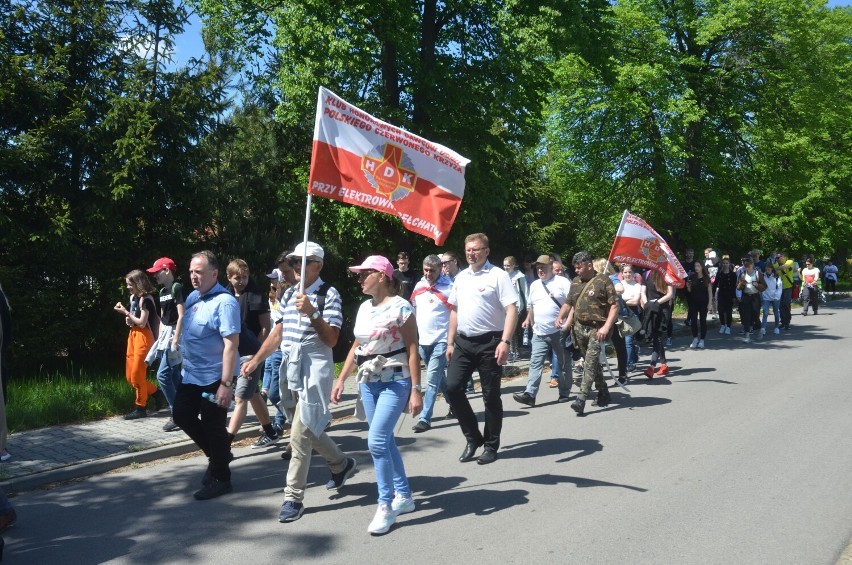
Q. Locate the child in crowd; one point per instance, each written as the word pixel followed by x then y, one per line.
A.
pixel 142 319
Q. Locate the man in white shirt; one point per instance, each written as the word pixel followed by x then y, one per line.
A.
pixel 547 295
pixel 430 299
pixel 481 326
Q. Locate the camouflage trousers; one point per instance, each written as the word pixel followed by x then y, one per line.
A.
pixel 586 341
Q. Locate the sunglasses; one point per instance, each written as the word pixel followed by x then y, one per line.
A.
pixel 294 262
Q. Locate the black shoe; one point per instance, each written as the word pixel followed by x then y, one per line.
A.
pixel 469 452
pixel 562 399
pixel 488 456
pixel 287 453
pixel 207 478
pixel 339 479
pixel 451 415
pixel 208 475
pixel 213 489
pixel 603 398
pixel 421 427
pixel 579 406
pixel 524 398
pixel 621 381
pixel 160 401
pixel 138 412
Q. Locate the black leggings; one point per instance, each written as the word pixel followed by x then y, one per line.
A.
pixel 620 352
pixel 658 343
pixel 726 310
pixel 699 310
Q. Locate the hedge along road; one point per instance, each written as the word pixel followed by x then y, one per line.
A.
pixel 741 455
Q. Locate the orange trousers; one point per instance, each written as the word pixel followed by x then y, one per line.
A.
pixel 139 342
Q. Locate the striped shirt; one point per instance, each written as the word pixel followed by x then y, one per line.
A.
pixel 297 327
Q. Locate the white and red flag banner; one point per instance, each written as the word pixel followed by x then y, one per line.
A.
pixel 361 160
pixel 639 244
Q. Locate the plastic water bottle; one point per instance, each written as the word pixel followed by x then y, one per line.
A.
pixel 209 396
pixel 526 338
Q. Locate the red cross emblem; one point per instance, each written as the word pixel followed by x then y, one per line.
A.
pixel 652 250
pixel 387 173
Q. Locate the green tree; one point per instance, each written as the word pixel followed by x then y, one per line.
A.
pixel 467 74
pixel 98 145
pixel 688 118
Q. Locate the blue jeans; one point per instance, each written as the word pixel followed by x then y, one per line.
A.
pixel 270 370
pixel 169 378
pixel 555 363
pixel 775 305
pixel 632 350
pixel 541 345
pixel 383 403
pixel 435 357
pixel 270 383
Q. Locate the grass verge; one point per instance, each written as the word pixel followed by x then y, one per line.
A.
pixel 63 398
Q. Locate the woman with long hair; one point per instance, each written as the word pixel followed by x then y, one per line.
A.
pixel 771 297
pixel 726 288
pixel 385 354
pixel 656 297
pixel 141 317
pixel 700 297
pixel 749 283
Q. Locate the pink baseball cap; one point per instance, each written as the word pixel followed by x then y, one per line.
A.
pixel 375 263
pixel 162 263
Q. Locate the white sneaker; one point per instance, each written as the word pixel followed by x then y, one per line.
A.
pixel 727 330
pixel 402 505
pixel 762 332
pixel 748 337
pixel 694 343
pixel 382 521
pixel 700 344
pixel 722 330
pixel 776 331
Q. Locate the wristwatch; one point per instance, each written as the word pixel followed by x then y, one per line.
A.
pixel 418 388
pixel 315 315
pixel 506 341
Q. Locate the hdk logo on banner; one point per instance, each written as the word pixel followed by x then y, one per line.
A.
pixel 363 161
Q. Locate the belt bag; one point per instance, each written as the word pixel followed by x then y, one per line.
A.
pixel 361 359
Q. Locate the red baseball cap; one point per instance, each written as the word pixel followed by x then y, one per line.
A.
pixel 162 263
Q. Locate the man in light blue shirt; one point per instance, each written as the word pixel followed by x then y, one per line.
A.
pixel 209 342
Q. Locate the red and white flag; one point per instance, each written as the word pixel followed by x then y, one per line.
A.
pixel 361 160
pixel 639 244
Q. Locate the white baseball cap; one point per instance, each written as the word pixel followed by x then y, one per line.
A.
pixel 309 249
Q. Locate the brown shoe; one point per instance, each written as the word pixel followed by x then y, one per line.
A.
pixel 554 383
pixel 8 520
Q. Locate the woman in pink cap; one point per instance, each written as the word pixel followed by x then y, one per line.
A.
pixel 388 368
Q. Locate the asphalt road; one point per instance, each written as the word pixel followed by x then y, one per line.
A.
pixel 742 455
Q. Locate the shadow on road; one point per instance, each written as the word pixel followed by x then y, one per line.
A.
pixel 621 400
pixel 552 446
